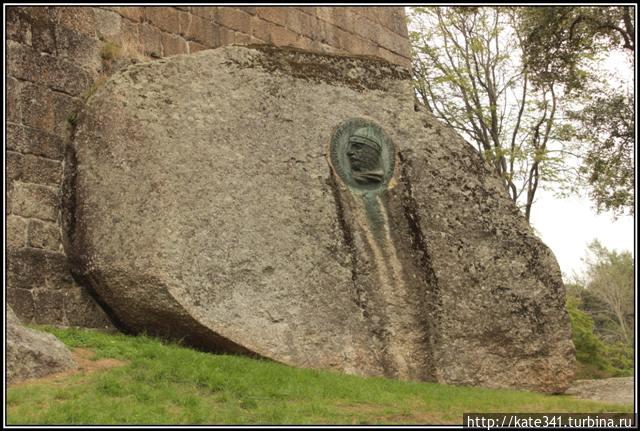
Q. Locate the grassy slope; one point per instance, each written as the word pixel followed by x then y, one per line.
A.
pixel 170 384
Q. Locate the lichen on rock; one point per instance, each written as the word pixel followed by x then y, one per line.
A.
pixel 32 353
pixel 206 209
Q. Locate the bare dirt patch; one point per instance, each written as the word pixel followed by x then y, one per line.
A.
pixel 86 365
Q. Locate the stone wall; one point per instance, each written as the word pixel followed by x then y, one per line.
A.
pixel 57 57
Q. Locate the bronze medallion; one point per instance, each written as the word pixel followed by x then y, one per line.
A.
pixel 362 155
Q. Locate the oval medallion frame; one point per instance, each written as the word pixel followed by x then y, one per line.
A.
pixel 362 155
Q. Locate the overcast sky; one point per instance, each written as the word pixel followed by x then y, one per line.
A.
pixel 568 225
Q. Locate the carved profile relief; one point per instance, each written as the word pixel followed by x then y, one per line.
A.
pixel 362 154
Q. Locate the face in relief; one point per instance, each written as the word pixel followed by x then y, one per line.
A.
pixel 364 157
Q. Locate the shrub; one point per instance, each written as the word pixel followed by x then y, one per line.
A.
pixel 110 51
pixel 595 358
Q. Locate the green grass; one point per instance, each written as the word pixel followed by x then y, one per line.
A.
pixel 165 383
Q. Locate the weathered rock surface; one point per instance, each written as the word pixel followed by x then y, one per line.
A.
pixel 615 390
pixel 203 206
pixel 32 353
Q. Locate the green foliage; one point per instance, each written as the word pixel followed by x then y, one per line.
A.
pixel 589 348
pixel 110 51
pixel 561 40
pixel 72 119
pixel 601 309
pixel 521 84
pixel 620 356
pixel 468 71
pixel 86 95
pixel 595 358
pixel 607 126
pixel 610 280
pixel 563 43
pixel 164 383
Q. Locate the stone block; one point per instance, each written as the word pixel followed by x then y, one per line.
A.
pixel 209 13
pixel 341 38
pixel 28 140
pixel 165 18
pixel 172 45
pixel 330 34
pixel 400 26
pixel 38 107
pixel 27 64
pixel 39 170
pixel 16 232
pixel 226 36
pixel 14 113
pixel 151 40
pixel 14 166
pixel 276 15
pixel 108 24
pixel 369 13
pixel 394 58
pixel 234 19
pixel 299 22
pixel 394 42
pixel 44 235
pixel 32 26
pixel 246 9
pixel 365 28
pixel 195 28
pixel 325 13
pixel 9 198
pixel 344 19
pixel 47 110
pixel 184 22
pixel 305 43
pixel 129 40
pixel 21 300
pixel 384 16
pixel 58 276
pixel 80 19
pixel 360 46
pixel 281 36
pixel 132 13
pixel 35 200
pixel 318 30
pixel 26 269
pixel 260 29
pixel 18 25
pixel 323 48
pixel 83 311
pixel 49 306
pixel 79 49
pixel 308 10
pixel 195 47
pixel 241 38
pixel 255 40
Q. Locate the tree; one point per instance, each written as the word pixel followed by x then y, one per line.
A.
pixel 596 359
pixel 561 39
pixel 468 72
pixel 607 126
pixel 609 280
pixel 562 43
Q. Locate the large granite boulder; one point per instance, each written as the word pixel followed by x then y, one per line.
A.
pixel 32 354
pixel 293 206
